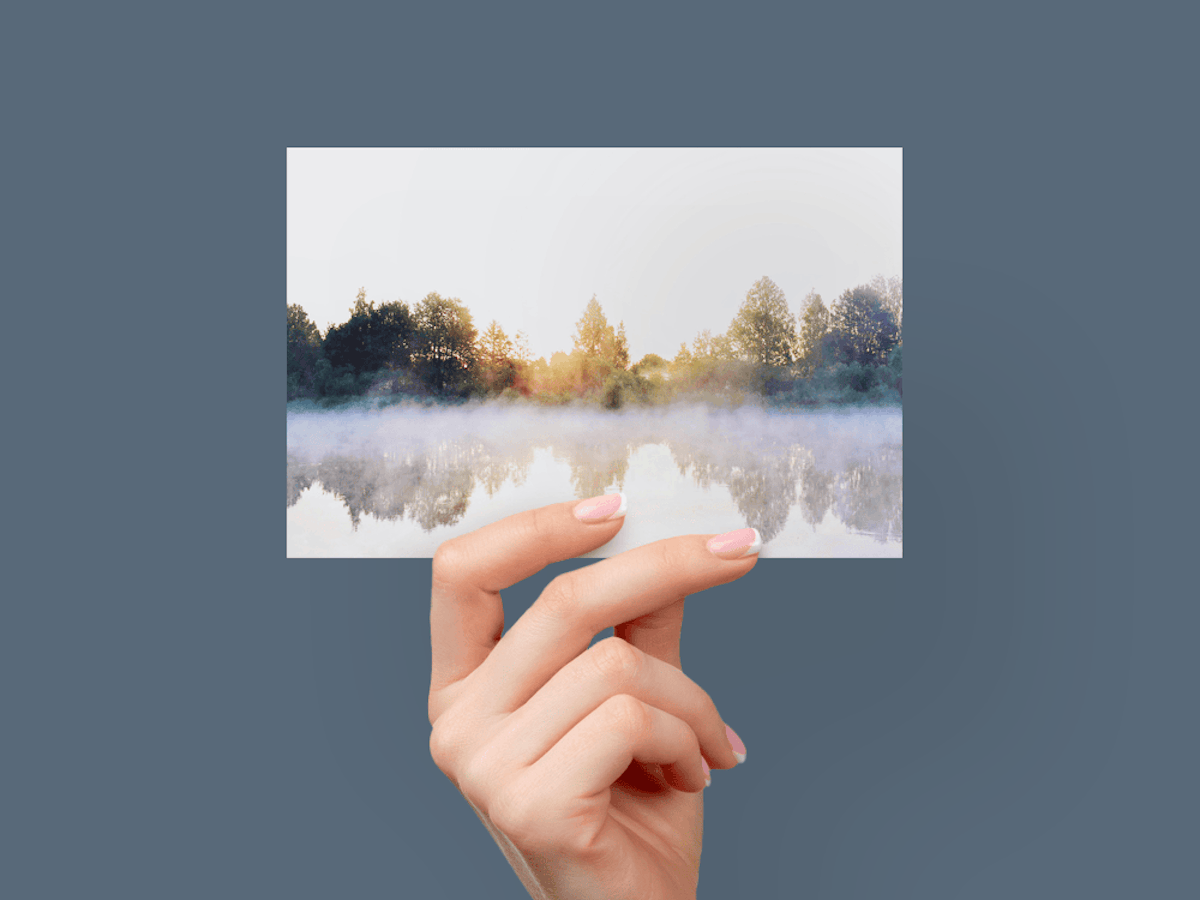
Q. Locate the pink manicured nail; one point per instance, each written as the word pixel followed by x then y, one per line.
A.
pixel 736 544
pixel 600 509
pixel 739 749
pixel 707 772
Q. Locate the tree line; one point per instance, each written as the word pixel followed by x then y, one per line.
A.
pixel 846 352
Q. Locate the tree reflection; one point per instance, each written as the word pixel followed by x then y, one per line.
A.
pixel 431 486
pixel 369 485
pixel 431 482
pixel 870 496
pixel 595 464
pixel 763 492
pixel 300 476
pixel 500 465
pixel 762 482
pixel 816 493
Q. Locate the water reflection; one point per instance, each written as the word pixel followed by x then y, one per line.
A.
pixel 774 467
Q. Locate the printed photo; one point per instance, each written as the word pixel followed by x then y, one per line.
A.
pixel 712 336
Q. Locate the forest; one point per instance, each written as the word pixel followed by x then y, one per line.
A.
pixel 846 352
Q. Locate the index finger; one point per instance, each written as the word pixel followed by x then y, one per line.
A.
pixel 466 614
pixel 579 604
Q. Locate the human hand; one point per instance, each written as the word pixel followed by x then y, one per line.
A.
pixel 586 765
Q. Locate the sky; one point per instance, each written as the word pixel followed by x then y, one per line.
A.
pixel 668 240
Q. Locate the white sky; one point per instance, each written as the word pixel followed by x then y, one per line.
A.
pixel 669 240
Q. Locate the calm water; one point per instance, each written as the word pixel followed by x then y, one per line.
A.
pixel 398 482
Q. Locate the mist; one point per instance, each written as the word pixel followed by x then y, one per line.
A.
pixel 398 481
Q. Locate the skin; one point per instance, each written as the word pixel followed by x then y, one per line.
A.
pixel 587 766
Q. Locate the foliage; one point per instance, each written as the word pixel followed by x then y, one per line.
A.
pixel 764 330
pixel 891 292
pixel 445 344
pixel 303 353
pixel 705 346
pixel 498 366
pixel 848 354
pixel 597 340
pixel 649 362
pixel 812 334
pixel 621 349
pixel 373 338
pixel 591 329
pixel 622 388
pixel 863 328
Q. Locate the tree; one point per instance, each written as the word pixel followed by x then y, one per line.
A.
pixel 891 292
pixel 621 349
pixel 372 338
pixel 303 352
pixel 391 336
pixel 445 342
pixel 862 328
pixel 496 358
pixel 521 352
pixel 649 362
pixel 705 346
pixel 764 330
pixel 812 332
pixel 494 345
pixel 591 330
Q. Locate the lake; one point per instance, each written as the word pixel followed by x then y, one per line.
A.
pixel 399 481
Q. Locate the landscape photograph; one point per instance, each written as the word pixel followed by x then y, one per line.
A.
pixel 717 334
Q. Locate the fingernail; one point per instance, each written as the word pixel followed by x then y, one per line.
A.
pixel 707 772
pixel 736 544
pixel 739 749
pixel 600 509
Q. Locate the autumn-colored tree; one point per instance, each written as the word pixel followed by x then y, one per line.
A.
pixel 591 330
pixel 705 346
pixel 521 352
pixel 496 358
pixel 621 349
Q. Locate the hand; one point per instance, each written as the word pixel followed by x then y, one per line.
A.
pixel 585 764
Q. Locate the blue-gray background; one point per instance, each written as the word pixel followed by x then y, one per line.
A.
pixel 1007 711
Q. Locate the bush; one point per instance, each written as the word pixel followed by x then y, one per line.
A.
pixel 623 387
pixel 856 377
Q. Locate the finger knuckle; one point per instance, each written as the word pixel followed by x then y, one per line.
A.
pixel 617 661
pixel 625 714
pixel 446 743
pixel 561 598
pixel 449 560
pixel 476 782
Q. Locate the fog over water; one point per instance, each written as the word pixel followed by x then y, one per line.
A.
pixel 399 481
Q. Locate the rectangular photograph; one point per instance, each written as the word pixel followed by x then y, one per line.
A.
pixel 714 334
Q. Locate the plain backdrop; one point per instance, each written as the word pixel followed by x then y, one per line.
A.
pixel 1007 711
